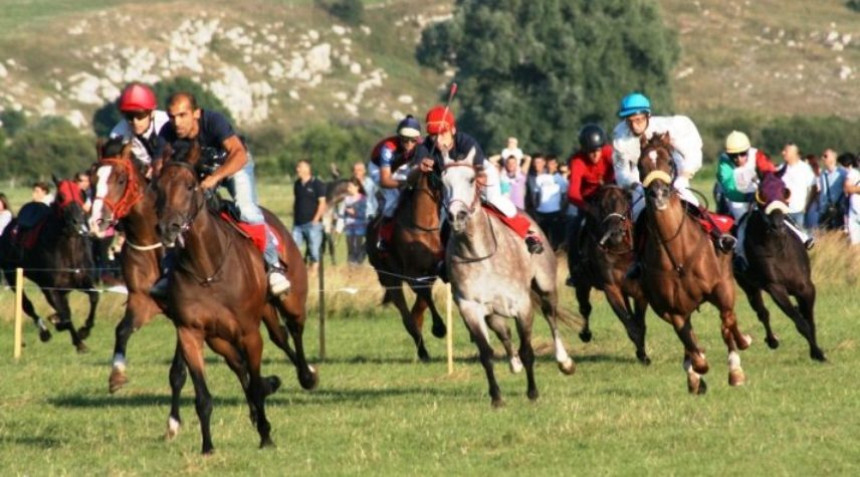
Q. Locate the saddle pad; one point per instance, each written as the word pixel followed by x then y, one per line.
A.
pixel 724 223
pixel 519 223
pixel 255 232
pixel 26 239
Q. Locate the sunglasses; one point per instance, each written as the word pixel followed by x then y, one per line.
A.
pixel 735 155
pixel 408 140
pixel 135 115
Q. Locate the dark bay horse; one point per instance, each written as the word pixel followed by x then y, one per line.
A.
pixel 681 267
pixel 58 261
pixel 219 294
pixel 414 252
pixel 494 277
pixel 607 250
pixel 779 265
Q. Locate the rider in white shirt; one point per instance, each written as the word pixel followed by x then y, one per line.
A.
pixel 141 121
pixel 637 122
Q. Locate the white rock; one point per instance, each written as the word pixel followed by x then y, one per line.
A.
pixel 405 99
pixel 351 109
pixel 365 29
pixel 846 39
pixel 685 72
pixel 346 41
pixel 294 94
pixel 318 58
pixel 341 96
pixel 77 118
pixel 3 71
pixel 313 35
pixel 48 106
pixel 338 30
pixel 832 37
pixel 355 68
pixel 845 72
pixel 837 46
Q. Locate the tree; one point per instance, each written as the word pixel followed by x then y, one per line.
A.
pixel 350 11
pixel 51 146
pixel 13 121
pixel 539 70
pixel 106 117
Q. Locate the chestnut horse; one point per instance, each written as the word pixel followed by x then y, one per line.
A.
pixel 414 252
pixel 494 276
pixel 219 293
pixel 779 265
pixel 681 267
pixel 59 260
pixel 607 249
pixel 124 196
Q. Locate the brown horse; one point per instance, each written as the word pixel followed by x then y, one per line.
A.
pixel 219 293
pixel 681 267
pixel 779 265
pixel 415 250
pixel 58 260
pixel 123 195
pixel 607 249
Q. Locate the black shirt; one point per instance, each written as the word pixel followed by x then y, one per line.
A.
pixel 463 144
pixel 213 130
pixel 307 198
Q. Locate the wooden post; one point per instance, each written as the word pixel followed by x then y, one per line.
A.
pixel 450 335
pixel 322 302
pixel 19 310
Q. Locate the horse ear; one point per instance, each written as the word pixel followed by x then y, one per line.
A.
pixel 643 141
pixel 126 151
pixel 666 139
pixel 193 156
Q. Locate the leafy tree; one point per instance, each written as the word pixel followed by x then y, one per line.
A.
pixel 108 115
pixel 325 144
pixel 51 146
pixel 13 121
pixel 539 70
pixel 350 11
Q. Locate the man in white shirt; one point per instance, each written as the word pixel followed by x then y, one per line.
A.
pixel 799 179
pixel 141 121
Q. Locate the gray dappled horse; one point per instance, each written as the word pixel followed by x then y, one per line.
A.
pixel 494 276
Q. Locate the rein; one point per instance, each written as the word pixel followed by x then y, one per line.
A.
pixel 472 209
pixel 462 259
pixel 415 226
pixel 665 243
pixel 132 194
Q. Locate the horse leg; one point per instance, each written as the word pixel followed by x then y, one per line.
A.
pixel 84 331
pixel 640 307
pixel 177 376
pixel 695 382
pixel 295 320
pixel 500 327
pixel 30 310
pixel 548 306
pixel 191 343
pixel 425 291
pixel 59 300
pixel 278 334
pixel 583 291
pixel 396 296
pixel 474 317
pixel 684 330
pixel 619 305
pixel 754 296
pixel 806 304
pixel 139 311
pixel 802 318
pixel 237 363
pixel 252 346
pixel 524 329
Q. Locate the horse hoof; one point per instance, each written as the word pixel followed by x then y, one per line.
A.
pixel 772 343
pixel 696 384
pixel 516 365
pixel 173 426
pixel 54 319
pixel 568 367
pixel 700 365
pixel 44 336
pixel 532 394
pixel 818 355
pixel 747 341
pixel 737 377
pixel 63 325
pixel 117 380
pixel 82 348
pixel 498 403
pixel 310 379
pixel 585 336
pixel 274 383
pixel 423 355
pixel 266 442
pixel 83 333
pixel 439 331
pixel 643 358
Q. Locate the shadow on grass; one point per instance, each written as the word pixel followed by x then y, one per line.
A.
pixel 39 442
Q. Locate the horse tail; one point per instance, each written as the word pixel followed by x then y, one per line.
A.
pixel 563 317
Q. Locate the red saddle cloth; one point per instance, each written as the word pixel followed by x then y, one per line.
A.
pixel 26 239
pixel 724 223
pixel 255 232
pixel 518 223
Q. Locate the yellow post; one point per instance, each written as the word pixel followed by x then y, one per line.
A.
pixel 19 309
pixel 450 334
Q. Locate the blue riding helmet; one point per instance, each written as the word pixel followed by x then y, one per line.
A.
pixel 409 127
pixel 634 103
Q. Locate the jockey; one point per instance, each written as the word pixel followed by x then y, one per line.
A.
pixel 590 168
pixel 234 166
pixel 141 121
pixel 739 172
pixel 443 142
pixel 637 123
pixel 389 167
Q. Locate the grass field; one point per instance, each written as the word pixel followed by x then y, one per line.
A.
pixel 378 411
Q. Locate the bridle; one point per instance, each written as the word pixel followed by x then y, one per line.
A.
pixel 130 196
pixel 476 201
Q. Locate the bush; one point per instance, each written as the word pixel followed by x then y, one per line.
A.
pixel 13 121
pixel 51 146
pixel 853 5
pixel 350 11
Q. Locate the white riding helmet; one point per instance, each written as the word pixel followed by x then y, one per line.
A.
pixel 737 142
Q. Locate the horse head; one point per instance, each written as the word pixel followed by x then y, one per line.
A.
pixel 179 198
pixel 460 192
pixel 771 198
pixel 69 207
pixel 613 206
pixel 657 167
pixel 119 180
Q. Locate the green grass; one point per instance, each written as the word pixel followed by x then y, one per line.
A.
pixel 378 411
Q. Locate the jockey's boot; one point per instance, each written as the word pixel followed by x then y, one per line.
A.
pixel 159 289
pixel 442 271
pixel 386 230
pixel 635 271
pixel 723 242
pixel 534 243
pixel 807 240
pixel 278 281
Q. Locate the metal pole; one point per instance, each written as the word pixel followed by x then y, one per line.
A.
pixel 19 310
pixel 450 337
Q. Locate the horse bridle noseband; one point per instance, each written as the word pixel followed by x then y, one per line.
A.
pixel 471 209
pixel 130 196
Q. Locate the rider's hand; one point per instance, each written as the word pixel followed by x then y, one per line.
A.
pixel 209 183
pixel 426 165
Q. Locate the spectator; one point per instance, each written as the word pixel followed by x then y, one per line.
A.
pixel 359 171
pixel 852 191
pixel 513 180
pixel 828 211
pixel 547 189
pixel 512 149
pixel 42 193
pixel 355 219
pixel 5 212
pixel 799 179
pixel 308 208
pixel 83 181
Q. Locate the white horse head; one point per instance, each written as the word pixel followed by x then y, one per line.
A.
pixel 459 188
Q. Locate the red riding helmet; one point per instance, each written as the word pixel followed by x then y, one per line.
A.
pixel 439 120
pixel 137 97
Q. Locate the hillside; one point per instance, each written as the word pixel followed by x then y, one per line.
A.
pixel 287 63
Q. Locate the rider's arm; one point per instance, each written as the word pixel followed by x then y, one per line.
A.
pixel 574 190
pixel 237 157
pixel 726 178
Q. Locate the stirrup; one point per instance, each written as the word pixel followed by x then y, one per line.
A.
pixel 810 242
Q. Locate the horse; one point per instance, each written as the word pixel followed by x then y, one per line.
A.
pixel 682 268
pixel 778 264
pixel 414 252
pixel 494 276
pixel 219 293
pixel 607 248
pixel 50 243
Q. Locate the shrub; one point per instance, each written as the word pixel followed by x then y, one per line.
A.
pixel 350 11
